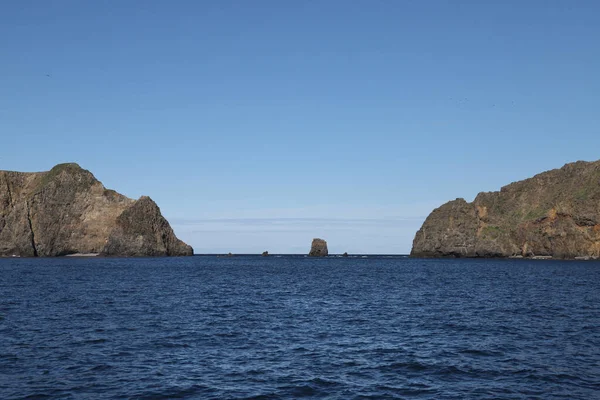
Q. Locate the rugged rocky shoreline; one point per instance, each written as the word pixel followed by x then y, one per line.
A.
pixel 68 211
pixel 555 214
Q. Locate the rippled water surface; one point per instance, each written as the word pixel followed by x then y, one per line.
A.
pixel 293 327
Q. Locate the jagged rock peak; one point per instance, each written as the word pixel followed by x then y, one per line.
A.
pixel 141 230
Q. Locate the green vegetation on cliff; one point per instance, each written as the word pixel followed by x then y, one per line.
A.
pixel 555 213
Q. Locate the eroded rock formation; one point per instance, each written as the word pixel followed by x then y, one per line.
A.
pixel 68 211
pixel 318 248
pixel 554 214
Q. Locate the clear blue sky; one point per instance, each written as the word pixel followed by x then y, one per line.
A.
pixel 258 125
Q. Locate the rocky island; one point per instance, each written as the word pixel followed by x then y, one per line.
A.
pixel 318 248
pixel 67 211
pixel 555 214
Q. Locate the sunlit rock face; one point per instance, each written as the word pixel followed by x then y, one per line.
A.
pixel 318 248
pixel 68 211
pixel 553 214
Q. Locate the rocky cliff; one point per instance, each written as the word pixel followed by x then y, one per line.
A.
pixel 67 211
pixel 554 214
pixel 318 248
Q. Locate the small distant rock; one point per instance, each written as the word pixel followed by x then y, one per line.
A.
pixel 265 253
pixel 345 254
pixel 318 248
pixel 229 254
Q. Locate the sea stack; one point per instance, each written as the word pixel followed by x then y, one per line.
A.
pixel 68 211
pixel 318 248
pixel 554 214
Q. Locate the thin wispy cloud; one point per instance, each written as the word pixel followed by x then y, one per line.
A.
pixel 292 221
pixel 351 229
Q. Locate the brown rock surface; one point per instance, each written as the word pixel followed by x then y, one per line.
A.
pixel 318 248
pixel 67 211
pixel 141 230
pixel 555 213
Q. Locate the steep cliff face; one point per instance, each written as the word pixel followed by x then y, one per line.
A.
pixel 67 210
pixel 141 230
pixel 554 214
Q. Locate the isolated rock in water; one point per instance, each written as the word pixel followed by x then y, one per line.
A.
pixel 345 255
pixel 265 254
pixel 68 211
pixel 318 248
pixel 554 214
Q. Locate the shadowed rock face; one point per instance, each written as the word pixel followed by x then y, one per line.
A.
pixel 318 248
pixel 141 230
pixel 67 211
pixel 555 213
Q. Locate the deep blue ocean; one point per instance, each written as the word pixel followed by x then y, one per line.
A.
pixel 290 327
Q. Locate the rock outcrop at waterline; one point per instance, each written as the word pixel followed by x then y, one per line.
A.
pixel 318 248
pixel 554 214
pixel 68 211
